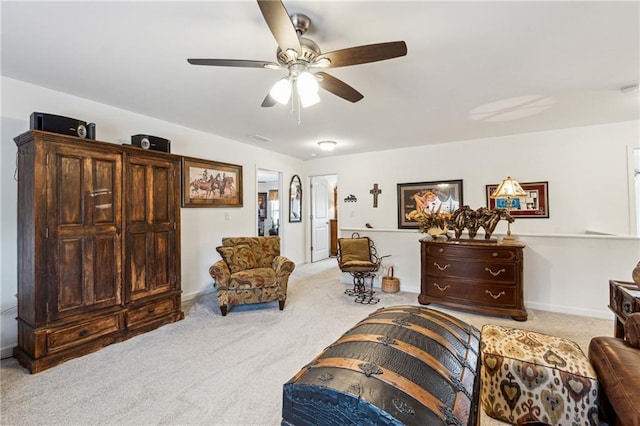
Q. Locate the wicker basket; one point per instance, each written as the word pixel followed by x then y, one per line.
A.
pixel 390 284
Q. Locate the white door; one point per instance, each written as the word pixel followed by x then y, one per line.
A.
pixel 319 219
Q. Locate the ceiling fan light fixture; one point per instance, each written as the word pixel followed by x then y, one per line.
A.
pixel 281 91
pixel 309 99
pixel 327 145
pixel 307 87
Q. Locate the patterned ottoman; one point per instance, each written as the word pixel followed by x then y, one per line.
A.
pixel 528 376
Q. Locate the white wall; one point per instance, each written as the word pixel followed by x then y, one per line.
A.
pixel 587 170
pixel 202 228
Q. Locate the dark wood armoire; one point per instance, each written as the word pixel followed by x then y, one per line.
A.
pixel 98 245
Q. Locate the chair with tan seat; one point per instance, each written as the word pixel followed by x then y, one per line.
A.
pixel 251 271
pixel 358 256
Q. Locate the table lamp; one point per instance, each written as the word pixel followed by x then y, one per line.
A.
pixel 509 188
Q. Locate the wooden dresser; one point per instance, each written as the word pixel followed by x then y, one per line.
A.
pixel 624 299
pixel 98 245
pixel 477 276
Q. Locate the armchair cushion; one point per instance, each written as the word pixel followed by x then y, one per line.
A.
pixel 265 249
pixel 253 278
pixel 238 258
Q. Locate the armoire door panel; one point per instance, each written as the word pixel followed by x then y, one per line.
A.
pixel 71 265
pixel 161 185
pixel 106 271
pixel 151 224
pixel 161 264
pixel 103 197
pixel 70 171
pixel 136 193
pixel 137 261
pixel 85 197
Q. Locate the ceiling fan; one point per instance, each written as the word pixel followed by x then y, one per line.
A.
pixel 300 56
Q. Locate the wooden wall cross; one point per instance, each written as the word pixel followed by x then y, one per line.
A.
pixel 375 191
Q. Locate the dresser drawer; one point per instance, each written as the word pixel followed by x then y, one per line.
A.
pixel 500 296
pixel 498 272
pixel 490 252
pixel 80 333
pixel 149 312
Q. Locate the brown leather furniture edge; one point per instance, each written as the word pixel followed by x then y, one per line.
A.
pixel 617 365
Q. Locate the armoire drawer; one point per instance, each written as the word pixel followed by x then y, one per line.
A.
pixel 77 334
pixel 149 312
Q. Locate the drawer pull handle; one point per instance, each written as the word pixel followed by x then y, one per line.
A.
pixel 440 250
pixel 441 288
pixel 494 254
pixel 151 310
pixel 496 296
pixel 442 268
pixel 83 333
pixel 495 274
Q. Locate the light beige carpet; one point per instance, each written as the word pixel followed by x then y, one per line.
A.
pixel 209 369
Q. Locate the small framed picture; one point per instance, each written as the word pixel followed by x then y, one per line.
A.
pixel 210 183
pixel 533 205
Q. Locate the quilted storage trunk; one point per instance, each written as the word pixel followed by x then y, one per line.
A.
pixel 400 365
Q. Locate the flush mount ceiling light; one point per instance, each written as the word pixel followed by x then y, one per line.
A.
pixel 327 145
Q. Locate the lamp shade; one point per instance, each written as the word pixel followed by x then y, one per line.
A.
pixel 307 87
pixel 281 91
pixel 508 188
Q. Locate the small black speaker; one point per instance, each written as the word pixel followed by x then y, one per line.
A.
pixel 151 142
pixel 63 125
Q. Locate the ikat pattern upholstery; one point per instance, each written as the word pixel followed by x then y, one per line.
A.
pixel 251 271
pixel 528 376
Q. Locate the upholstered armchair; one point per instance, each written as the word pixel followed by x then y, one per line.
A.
pixel 251 271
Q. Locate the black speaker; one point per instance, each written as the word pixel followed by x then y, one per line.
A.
pixel 151 142
pixel 63 125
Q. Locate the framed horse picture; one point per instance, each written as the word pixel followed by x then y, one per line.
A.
pixel 210 183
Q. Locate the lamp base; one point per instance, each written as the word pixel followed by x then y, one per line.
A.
pixel 509 239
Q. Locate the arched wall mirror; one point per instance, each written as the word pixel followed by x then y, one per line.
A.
pixel 295 199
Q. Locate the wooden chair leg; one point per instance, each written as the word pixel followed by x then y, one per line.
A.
pixel 223 310
pixel 281 304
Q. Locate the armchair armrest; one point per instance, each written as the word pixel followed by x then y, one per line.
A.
pixel 283 266
pixel 220 272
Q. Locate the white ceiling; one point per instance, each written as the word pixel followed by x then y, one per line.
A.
pixel 473 69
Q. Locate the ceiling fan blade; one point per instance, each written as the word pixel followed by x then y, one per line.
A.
pixel 338 87
pixel 269 101
pixel 364 54
pixel 279 22
pixel 234 63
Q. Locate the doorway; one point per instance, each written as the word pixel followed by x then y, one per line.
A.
pixel 324 216
pixel 268 202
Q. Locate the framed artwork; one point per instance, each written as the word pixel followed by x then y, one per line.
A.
pixel 427 196
pixel 262 205
pixel 210 183
pixel 534 205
